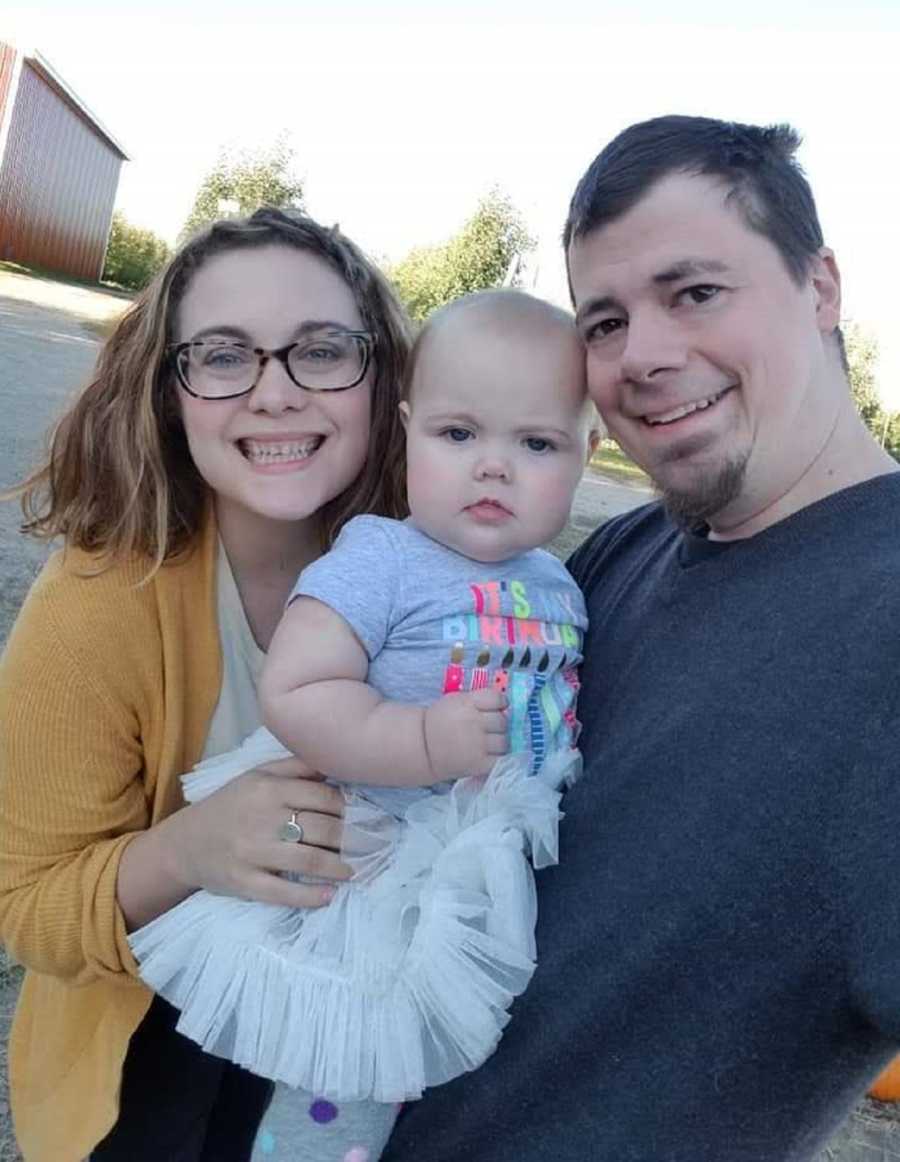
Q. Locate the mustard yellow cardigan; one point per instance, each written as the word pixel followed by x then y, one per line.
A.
pixel 107 689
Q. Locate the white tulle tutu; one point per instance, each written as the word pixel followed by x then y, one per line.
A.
pixel 405 979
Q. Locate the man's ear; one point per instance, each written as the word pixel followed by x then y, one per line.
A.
pixel 404 414
pixel 826 283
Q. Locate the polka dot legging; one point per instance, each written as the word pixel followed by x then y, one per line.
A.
pixel 300 1127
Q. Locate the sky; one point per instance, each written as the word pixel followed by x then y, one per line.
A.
pixel 403 114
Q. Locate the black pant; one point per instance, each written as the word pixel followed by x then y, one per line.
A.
pixel 179 1104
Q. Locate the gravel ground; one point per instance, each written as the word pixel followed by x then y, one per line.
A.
pixel 9 984
pixel 47 350
pixel 48 346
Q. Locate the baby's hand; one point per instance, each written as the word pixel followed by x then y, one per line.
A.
pixel 465 733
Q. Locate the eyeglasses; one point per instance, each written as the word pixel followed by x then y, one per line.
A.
pixel 320 361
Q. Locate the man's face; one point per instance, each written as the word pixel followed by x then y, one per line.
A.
pixel 706 359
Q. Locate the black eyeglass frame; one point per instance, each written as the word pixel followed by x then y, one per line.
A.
pixel 263 355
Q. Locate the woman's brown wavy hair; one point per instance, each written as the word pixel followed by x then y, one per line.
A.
pixel 119 479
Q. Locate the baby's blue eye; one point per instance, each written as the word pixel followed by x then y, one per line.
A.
pixel 457 435
pixel 538 444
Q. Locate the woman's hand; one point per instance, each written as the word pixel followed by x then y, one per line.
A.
pixel 231 843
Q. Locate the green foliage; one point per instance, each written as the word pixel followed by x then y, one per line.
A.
pixel 133 255
pixel 609 459
pixel 477 258
pixel 862 358
pixel 242 181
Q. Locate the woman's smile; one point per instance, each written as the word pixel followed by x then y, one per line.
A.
pixel 280 452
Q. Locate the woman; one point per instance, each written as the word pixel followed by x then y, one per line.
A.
pixel 243 410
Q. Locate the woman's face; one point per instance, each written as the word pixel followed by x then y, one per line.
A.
pixel 279 452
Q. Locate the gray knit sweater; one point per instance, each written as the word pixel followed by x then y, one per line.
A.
pixel 719 948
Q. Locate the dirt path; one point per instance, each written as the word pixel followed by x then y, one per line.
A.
pixel 48 345
pixel 81 302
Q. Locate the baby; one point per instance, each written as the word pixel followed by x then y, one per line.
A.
pixel 439 648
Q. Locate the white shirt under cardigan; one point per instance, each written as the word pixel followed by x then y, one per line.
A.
pixel 330 1129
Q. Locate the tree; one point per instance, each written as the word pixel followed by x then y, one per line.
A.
pixel 242 181
pixel 862 359
pixel 133 255
pixel 480 256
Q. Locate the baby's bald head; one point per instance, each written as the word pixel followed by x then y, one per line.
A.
pixel 520 320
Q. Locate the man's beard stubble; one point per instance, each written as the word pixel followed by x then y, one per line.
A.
pixel 712 490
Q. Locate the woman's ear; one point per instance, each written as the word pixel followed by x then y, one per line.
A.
pixel 404 414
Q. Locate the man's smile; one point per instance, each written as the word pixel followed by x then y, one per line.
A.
pixel 673 415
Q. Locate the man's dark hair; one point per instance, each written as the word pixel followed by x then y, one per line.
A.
pixel 756 164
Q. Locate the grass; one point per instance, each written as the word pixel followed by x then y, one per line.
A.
pixel 610 460
pixel 15 268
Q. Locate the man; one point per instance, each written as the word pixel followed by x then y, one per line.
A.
pixel 719 947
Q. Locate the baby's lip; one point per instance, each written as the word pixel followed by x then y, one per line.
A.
pixel 488 509
pixel 490 501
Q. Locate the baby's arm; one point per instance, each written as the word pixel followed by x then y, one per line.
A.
pixel 315 699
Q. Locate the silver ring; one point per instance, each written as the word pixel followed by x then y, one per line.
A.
pixel 291 832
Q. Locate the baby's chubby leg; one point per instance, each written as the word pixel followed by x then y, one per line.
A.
pixel 298 1124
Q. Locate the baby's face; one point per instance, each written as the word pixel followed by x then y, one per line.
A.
pixel 498 433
